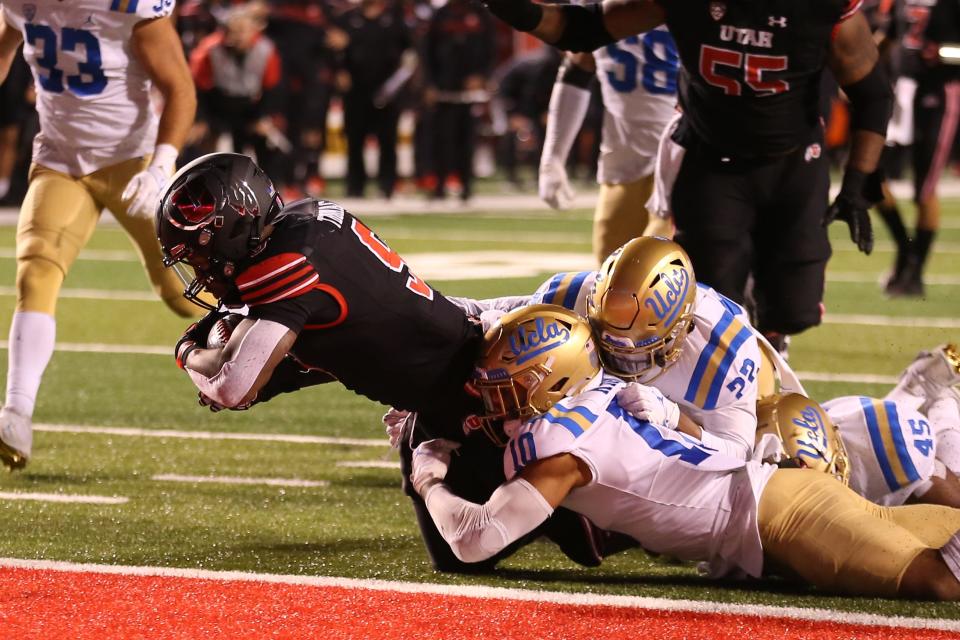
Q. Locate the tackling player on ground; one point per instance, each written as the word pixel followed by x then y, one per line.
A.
pixel 571 443
pixel 101 145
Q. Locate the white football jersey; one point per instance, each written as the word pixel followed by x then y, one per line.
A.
pixel 93 97
pixel 668 491
pixel 890 445
pixel 715 378
pixel 638 81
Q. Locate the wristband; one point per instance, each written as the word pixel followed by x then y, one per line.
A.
pixel 183 351
pixel 165 158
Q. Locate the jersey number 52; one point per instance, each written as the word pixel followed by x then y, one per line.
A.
pixel 89 81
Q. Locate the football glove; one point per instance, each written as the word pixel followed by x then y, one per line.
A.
pixel 852 206
pixel 430 463
pixel 395 421
pixel 553 184
pixel 195 335
pixel 142 193
pixel 647 403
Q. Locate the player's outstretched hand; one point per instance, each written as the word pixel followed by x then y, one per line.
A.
pixel 647 403
pixel 852 206
pixel 554 186
pixel 142 193
pixel 395 422
pixel 430 463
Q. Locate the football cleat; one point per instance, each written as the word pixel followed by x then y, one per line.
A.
pixel 16 439
pixel 930 373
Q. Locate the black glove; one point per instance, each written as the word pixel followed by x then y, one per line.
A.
pixel 852 206
pixel 522 15
pixel 195 337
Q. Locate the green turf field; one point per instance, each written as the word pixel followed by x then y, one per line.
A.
pixel 356 523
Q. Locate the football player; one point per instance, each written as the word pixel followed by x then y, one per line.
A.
pixel 656 325
pixel 638 82
pixel 752 193
pixel 101 145
pixel 328 300
pixel 571 443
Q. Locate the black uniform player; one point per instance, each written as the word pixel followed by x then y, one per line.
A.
pixel 936 109
pixel 751 194
pixel 328 300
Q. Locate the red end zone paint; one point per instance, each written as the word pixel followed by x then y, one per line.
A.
pixel 61 604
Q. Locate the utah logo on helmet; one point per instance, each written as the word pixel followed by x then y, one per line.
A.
pixel 211 217
pixel 532 358
pixel 641 307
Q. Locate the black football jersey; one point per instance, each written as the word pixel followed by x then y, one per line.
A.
pixel 360 313
pixel 752 69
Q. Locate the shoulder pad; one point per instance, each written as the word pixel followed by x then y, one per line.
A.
pixel 276 277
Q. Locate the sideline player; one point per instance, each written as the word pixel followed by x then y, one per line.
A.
pixel 751 196
pixel 328 300
pixel 638 82
pixel 100 145
pixel 572 444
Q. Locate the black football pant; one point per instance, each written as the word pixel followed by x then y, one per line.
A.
pixel 360 119
pixel 739 218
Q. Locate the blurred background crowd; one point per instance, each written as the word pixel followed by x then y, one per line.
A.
pixel 408 95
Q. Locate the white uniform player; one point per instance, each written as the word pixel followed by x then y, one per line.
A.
pixel 891 447
pixel 671 493
pixel 716 380
pixel 638 83
pixel 101 146
pixel 570 441
pixel 93 96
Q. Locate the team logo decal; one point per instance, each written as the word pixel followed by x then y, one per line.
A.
pixel 815 442
pixel 777 21
pixel 717 10
pixel 812 152
pixel 528 342
pixel 29 12
pixel 669 294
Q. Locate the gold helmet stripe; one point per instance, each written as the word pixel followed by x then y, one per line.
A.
pixel 707 380
pixel 886 437
pixel 575 420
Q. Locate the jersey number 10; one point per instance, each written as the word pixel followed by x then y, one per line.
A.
pixel 90 81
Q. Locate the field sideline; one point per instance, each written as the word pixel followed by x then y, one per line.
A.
pixel 143 515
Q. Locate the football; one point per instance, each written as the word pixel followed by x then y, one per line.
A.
pixel 222 330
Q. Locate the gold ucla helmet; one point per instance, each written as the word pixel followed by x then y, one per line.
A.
pixel 641 307
pixel 810 439
pixel 531 359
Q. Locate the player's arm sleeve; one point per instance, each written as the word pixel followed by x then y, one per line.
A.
pixel 247 367
pixel 476 532
pixel 727 444
pixel 473 307
pixel 569 102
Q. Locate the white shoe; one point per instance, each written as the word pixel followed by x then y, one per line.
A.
pixel 16 439
pixel 930 373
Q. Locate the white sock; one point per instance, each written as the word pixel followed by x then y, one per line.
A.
pixel 950 553
pixel 32 335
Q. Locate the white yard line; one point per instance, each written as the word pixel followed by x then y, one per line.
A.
pixel 499 593
pixel 860 378
pixel 871 278
pixel 61 497
pixel 210 435
pixel 369 464
pixel 891 321
pixel 97 294
pixel 270 482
